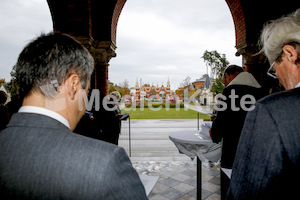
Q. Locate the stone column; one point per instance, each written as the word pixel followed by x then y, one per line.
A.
pixel 102 52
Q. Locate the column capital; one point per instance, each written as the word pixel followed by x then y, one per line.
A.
pixel 87 42
pixel 103 51
pixel 249 52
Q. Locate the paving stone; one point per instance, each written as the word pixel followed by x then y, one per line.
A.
pixel 180 177
pixel 169 182
pixel 210 187
pixel 205 194
pixel 192 181
pixel 168 173
pixel 159 188
pixel 158 197
pixel 183 187
pixel 189 172
pixel 206 177
pixel 187 197
pixel 193 192
pixel 212 172
pixel 215 180
pixel 172 194
pixel 214 197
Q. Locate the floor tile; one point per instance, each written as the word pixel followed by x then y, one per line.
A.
pixel 210 187
pixel 159 188
pixel 180 177
pixel 193 192
pixel 205 194
pixel 190 172
pixel 192 181
pixel 158 197
pixel 169 182
pixel 206 177
pixel 183 187
pixel 187 197
pixel 214 197
pixel 172 194
pixel 215 180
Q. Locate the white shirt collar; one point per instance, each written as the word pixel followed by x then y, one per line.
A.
pixel 46 112
pixel 298 85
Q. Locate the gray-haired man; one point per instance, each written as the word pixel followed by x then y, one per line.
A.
pixel 267 161
pixel 40 157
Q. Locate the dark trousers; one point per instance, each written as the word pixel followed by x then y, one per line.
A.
pixel 224 185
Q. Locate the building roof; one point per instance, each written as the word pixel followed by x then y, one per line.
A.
pixel 205 79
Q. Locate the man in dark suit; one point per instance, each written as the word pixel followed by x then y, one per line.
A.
pixel 241 91
pixel 40 156
pixel 267 161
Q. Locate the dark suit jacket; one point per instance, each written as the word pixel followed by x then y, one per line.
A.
pixel 228 124
pixel 267 161
pixel 40 158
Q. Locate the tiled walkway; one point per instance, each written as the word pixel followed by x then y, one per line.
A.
pixel 154 154
pixel 177 180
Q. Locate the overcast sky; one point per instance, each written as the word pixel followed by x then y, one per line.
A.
pixel 156 39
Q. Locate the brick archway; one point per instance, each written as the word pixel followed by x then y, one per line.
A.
pixel 94 24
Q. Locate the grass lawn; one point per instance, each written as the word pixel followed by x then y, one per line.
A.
pixel 164 114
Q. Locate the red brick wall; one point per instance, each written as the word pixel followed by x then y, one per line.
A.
pixel 198 84
pixel 101 79
pixel 238 19
pixel 117 11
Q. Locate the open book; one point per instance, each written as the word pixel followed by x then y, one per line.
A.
pixel 204 133
pixel 125 116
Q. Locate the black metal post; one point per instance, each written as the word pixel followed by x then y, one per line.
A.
pixel 199 179
pixel 129 137
pixel 198 121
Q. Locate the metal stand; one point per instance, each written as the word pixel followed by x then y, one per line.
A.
pixel 199 179
pixel 198 124
pixel 199 168
pixel 129 137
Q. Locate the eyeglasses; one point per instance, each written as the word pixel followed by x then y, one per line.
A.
pixel 272 70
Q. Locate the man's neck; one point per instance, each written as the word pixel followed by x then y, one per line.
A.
pixel 57 105
pixel 46 112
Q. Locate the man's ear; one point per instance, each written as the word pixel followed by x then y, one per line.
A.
pixel 291 53
pixel 73 84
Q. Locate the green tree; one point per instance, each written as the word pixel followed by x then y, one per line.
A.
pixel 111 89
pixel 125 88
pixel 186 82
pixel 216 61
pixel 13 86
pixel 218 86
pixel 121 91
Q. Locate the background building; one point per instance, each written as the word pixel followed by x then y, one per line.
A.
pixel 145 91
pixel 204 84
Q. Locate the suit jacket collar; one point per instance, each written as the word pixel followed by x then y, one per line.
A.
pixel 245 78
pixel 43 111
pixel 36 120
